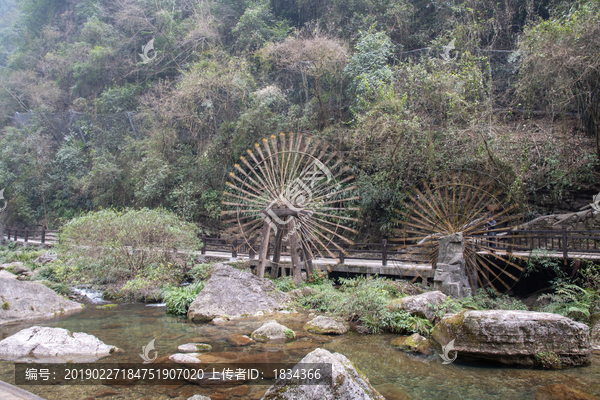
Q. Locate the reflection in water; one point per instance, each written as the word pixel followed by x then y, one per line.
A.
pixel 395 374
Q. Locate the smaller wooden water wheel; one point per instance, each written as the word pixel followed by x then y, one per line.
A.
pixel 475 204
pixel 293 187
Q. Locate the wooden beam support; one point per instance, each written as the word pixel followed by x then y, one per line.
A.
pixel 264 246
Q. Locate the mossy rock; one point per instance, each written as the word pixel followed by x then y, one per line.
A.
pixel 107 307
pixel 414 344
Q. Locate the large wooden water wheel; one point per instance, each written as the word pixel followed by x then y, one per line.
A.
pixel 475 204
pixel 292 189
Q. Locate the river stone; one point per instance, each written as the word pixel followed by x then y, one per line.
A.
pixel 188 358
pixel 347 382
pixel 14 264
pixel 239 340
pixel 22 270
pixel 418 304
pixel 326 326
pixel 198 397
pixel 273 330
pixel 561 392
pixel 194 347
pixel 515 337
pixel 233 293
pixel 31 300
pixel 40 344
pixel 45 258
pixel 415 344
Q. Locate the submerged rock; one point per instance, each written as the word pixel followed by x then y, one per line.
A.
pixel 346 383
pixel 414 343
pixel 326 326
pixel 273 330
pixel 194 347
pixel 234 293
pixel 239 340
pixel 419 304
pixel 40 344
pixel 22 300
pixel 561 392
pixel 516 337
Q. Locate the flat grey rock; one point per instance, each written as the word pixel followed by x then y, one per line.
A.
pixel 188 358
pixel 43 344
pixel 194 347
pixel 31 300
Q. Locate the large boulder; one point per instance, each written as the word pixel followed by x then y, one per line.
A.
pixel 43 344
pixel 516 337
pixel 273 331
pixel 326 326
pixel 419 304
pixel 234 293
pixel 22 300
pixel 346 383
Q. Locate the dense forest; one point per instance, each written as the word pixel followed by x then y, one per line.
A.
pixel 94 115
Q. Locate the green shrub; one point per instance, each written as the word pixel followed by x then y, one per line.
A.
pixel 115 246
pixel 572 301
pixel 6 305
pixel 200 272
pixel 548 360
pixel 365 300
pixel 178 299
pixel 284 284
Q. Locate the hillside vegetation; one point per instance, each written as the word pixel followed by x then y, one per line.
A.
pixel 404 88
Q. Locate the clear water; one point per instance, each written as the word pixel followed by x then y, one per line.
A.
pixel 395 374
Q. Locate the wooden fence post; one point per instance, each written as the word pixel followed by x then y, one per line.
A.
pixel 26 234
pixel 384 252
pixel 341 253
pixel 203 249
pixel 565 244
pixel 43 235
pixel 234 249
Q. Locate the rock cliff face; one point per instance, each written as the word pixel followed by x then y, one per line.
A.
pixel 516 337
pixel 234 293
pixel 23 300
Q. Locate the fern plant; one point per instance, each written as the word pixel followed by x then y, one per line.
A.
pixel 571 301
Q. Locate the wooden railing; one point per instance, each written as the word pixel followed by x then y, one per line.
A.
pixel 44 236
pixel 564 241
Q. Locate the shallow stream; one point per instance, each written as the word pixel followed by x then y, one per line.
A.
pixel 394 374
